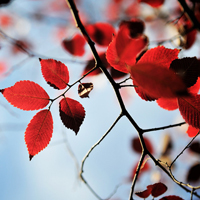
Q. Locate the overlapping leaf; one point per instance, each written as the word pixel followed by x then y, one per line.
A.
pixel 72 113
pixel 55 73
pixel 39 132
pixel 101 33
pixel 190 109
pixel 26 95
pixel 157 189
pixel 124 49
pixel 75 46
pixel 160 57
pixel 157 81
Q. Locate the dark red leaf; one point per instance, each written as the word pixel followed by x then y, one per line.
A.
pixel 117 74
pixel 84 89
pixel 144 194
pixel 187 69
pixel 190 109
pixel 55 73
pixel 91 64
pixel 157 81
pixel 101 33
pixel 26 95
pixel 136 27
pixel 195 147
pixel 191 131
pixel 72 113
pixel 136 146
pixel 157 189
pixel 153 3
pixel 39 132
pixel 171 197
pixel 194 173
pixel 168 103
pixel 75 46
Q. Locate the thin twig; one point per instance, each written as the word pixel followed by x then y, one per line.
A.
pixel 164 127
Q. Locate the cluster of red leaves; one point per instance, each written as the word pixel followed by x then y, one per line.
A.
pixel 156 190
pixel 157 73
pixel 28 95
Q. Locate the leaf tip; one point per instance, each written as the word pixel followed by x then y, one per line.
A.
pixel 40 59
pixel 30 157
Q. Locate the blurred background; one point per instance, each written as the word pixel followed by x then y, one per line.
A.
pixel 33 29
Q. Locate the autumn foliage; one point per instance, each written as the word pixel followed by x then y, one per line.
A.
pixel 123 51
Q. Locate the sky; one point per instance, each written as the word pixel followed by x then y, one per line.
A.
pixel 53 173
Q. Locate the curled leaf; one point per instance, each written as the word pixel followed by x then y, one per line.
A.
pixel 84 89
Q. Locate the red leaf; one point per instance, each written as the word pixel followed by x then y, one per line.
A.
pixel 123 50
pixel 136 146
pixel 135 26
pixel 72 113
pixel 26 95
pixel 101 33
pixel 168 103
pixel 157 81
pixel 171 197
pixel 157 189
pixel 144 194
pixel 160 55
pixel 153 3
pixel 75 46
pixel 191 131
pixel 55 73
pixel 91 64
pixel 84 89
pixel 190 109
pixel 39 132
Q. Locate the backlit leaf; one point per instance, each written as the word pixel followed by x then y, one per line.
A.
pixel 190 109
pixel 191 131
pixel 55 73
pixel 168 103
pixel 39 132
pixel 157 81
pixel 123 50
pixel 157 189
pixel 26 95
pixel 101 33
pixel 160 55
pixel 75 46
pixel 72 113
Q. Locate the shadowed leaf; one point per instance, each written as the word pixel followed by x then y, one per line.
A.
pixel 157 189
pixel 195 147
pixel 171 197
pixel 72 113
pixel 194 173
